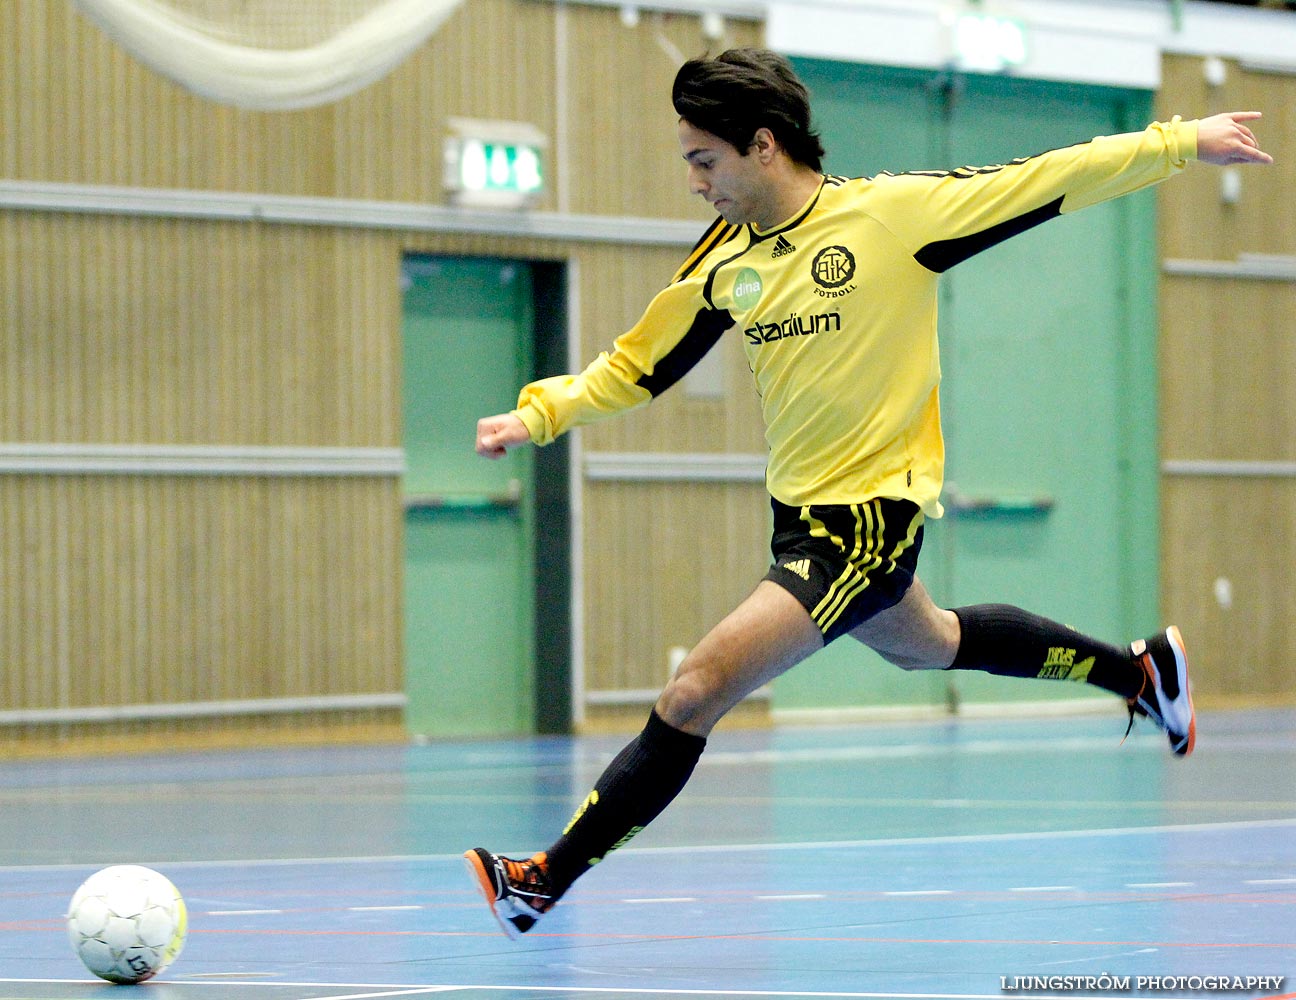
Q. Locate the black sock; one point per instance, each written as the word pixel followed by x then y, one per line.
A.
pixel 1001 639
pixel 639 783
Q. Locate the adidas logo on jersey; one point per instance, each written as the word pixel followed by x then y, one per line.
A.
pixel 801 567
pixel 781 248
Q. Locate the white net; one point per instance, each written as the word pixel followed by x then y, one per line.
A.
pixel 271 24
pixel 270 55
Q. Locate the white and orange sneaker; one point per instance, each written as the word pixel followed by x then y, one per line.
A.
pixel 1166 696
pixel 517 891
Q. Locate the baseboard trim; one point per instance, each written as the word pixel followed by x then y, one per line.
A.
pixel 1053 708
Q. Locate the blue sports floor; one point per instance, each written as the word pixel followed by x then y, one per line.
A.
pixel 940 860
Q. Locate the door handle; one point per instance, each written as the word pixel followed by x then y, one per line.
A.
pixel 962 504
pixel 510 499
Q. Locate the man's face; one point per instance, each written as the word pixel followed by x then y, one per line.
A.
pixel 731 183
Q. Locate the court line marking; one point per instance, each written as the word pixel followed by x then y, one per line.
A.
pixel 699 798
pixel 398 989
pixel 806 845
pixel 382 909
pixel 661 899
pixel 747 937
pixel 418 991
pixel 1042 888
pixel 401 990
pixel 1099 958
pixel 1097 895
pixel 907 751
pixel 973 838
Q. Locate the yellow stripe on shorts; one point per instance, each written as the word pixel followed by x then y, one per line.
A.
pixel 864 557
pixel 908 540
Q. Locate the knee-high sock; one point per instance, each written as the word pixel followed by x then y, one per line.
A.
pixel 1001 639
pixel 640 782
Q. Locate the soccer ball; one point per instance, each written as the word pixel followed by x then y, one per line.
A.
pixel 127 923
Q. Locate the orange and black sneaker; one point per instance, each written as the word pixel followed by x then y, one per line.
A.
pixel 518 892
pixel 1165 697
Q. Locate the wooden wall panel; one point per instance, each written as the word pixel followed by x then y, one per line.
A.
pixel 1228 393
pixel 205 332
pixel 78 109
pixel 1243 533
pixel 118 330
pixel 1230 362
pixel 623 145
pixel 667 561
pixel 154 331
pixel 139 589
pixel 1194 220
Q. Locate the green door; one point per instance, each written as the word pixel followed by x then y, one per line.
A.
pixel 469 595
pixel 1048 347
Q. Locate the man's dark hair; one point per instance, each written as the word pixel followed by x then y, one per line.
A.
pixel 742 90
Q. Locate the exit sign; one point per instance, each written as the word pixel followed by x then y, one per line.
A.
pixel 491 164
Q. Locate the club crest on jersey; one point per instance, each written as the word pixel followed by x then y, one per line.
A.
pixel 747 289
pixel 832 269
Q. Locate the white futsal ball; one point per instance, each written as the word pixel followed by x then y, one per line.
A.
pixel 127 923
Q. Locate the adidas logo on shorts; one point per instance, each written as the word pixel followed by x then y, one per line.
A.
pixel 801 567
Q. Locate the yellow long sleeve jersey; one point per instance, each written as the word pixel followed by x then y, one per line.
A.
pixel 837 311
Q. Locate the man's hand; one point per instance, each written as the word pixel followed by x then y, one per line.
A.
pixel 497 434
pixel 1223 139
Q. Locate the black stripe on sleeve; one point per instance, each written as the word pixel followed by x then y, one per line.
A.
pixel 708 325
pixel 717 233
pixel 944 254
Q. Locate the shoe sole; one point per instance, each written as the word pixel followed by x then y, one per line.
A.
pixel 482 880
pixel 1181 675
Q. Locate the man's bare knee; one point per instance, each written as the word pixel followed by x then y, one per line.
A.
pixel 765 635
pixel 690 702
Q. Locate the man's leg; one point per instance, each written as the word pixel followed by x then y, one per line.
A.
pixel 1000 639
pixel 996 639
pixel 914 634
pixel 767 634
pixel 763 637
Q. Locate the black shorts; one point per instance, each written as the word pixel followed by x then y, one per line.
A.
pixel 846 562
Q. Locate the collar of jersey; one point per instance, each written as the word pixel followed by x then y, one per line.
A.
pixel 796 220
